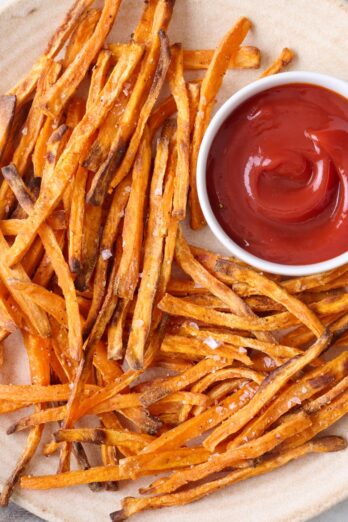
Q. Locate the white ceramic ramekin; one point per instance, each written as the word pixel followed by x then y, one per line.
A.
pixel 322 80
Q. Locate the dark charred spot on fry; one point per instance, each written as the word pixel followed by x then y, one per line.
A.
pixel 59 133
pixel 103 177
pixel 11 429
pixel 100 436
pixel 75 266
pixel 322 380
pixel 50 156
pixel 118 516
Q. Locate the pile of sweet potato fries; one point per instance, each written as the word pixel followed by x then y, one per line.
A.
pixel 93 192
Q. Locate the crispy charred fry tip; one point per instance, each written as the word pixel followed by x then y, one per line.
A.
pixel 118 516
pixel 328 444
pixel 287 55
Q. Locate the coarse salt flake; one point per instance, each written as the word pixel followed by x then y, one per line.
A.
pixel 268 362
pixel 212 343
pixel 194 325
pixel 106 254
pixel 242 350
pixel 139 323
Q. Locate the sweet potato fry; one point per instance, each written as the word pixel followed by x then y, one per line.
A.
pixel 179 92
pixel 99 77
pixel 132 505
pixel 247 57
pixel 82 33
pixel 56 97
pixel 271 349
pixel 103 177
pixel 45 271
pixel 180 307
pixel 58 262
pixel 109 370
pixel 53 148
pixel 153 252
pixel 149 464
pixel 321 420
pixel 273 290
pixel 36 317
pixel 68 161
pixel 132 234
pixel 7 319
pixel 11 227
pixel 25 87
pixel 7 112
pixel 217 462
pixel 179 382
pixel 100 148
pixel 202 277
pixel 273 383
pixel 111 228
pixel 227 48
pixel 102 436
pixel 108 392
pixel 195 349
pixel 293 396
pixel 77 212
pixel 172 225
pixel 315 405
pixel 164 110
pixel 90 245
pixel 37 351
pixel 128 123
pixel 286 57
pixel 115 331
pixel 52 304
pixel 29 135
pixel 300 284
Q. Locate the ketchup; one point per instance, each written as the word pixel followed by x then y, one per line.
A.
pixel 277 174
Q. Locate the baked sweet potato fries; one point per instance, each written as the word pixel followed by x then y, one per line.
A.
pixel 209 368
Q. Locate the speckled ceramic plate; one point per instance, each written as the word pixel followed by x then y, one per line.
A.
pixel 317 30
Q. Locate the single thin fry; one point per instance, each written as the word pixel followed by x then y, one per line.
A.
pixel 132 234
pixel 247 57
pixel 52 304
pixel 286 57
pixel 153 252
pixel 115 330
pixel 179 91
pixel 82 33
pixel 77 212
pixel 7 112
pixel 227 48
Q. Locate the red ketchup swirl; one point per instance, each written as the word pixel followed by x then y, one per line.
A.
pixel 277 174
